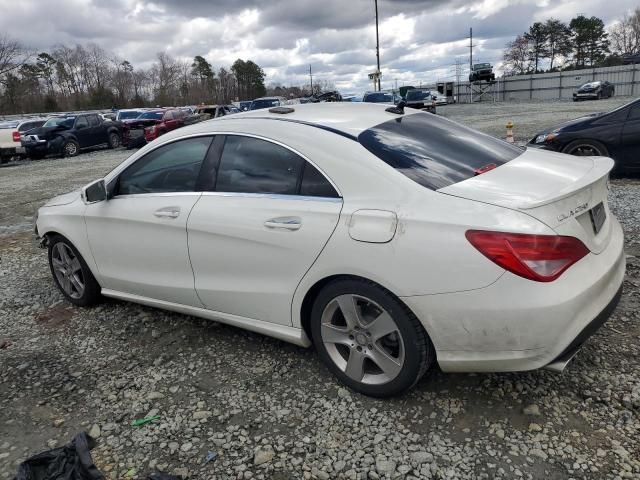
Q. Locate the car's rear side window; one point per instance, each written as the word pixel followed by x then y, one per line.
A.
pixel 433 151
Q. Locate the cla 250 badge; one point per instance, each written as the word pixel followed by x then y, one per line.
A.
pixel 572 213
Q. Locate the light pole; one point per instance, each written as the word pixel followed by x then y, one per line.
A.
pixel 377 45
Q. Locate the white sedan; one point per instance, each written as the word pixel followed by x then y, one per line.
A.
pixel 391 240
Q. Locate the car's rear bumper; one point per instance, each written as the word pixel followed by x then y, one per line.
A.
pixel 517 324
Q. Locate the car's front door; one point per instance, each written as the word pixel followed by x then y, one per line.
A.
pixel 630 142
pixel 98 132
pixel 139 237
pixel 252 238
pixel 83 131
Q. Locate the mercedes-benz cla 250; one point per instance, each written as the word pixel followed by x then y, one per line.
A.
pixel 389 238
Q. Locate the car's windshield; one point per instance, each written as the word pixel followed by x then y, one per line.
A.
pixel 60 122
pixel 418 95
pixel 129 115
pixel 151 116
pixel 481 65
pixel 433 151
pixel 264 103
pixel 378 97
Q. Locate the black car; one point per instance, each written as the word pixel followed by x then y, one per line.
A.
pixel 66 135
pixel 614 134
pixel 594 91
pixel 421 99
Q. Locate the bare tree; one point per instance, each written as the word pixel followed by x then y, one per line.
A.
pixel 517 56
pixel 12 55
pixel 625 34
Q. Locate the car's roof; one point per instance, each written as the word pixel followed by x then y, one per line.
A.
pixel 346 117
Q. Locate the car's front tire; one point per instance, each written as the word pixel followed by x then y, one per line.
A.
pixel 586 148
pixel 369 339
pixel 71 273
pixel 70 148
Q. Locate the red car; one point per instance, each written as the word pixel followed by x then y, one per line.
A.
pixel 163 121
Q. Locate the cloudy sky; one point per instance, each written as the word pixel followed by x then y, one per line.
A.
pixel 420 40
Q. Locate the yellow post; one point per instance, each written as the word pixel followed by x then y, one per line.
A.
pixel 509 132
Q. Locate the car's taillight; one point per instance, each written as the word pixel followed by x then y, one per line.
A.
pixel 16 136
pixel 542 258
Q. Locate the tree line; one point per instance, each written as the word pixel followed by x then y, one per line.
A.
pixel 584 42
pixel 89 77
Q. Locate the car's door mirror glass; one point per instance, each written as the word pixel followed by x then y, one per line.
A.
pixel 95 192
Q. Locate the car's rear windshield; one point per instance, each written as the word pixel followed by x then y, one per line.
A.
pixel 129 115
pixel 258 104
pixel 378 98
pixel 151 116
pixel 418 94
pixel 433 151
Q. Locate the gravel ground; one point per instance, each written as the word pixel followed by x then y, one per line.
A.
pixel 271 410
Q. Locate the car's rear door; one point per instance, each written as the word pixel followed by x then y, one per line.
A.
pixel 630 142
pixel 98 131
pixel 254 236
pixel 139 236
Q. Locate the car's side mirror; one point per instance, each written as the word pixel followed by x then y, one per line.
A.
pixel 95 192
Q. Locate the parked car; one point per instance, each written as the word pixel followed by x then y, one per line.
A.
pixel 631 59
pixel 267 102
pixel 332 96
pixel 160 122
pixel 422 99
pixel 67 135
pixel 11 136
pixel 108 116
pixel 380 97
pixel 244 105
pixel 390 241
pixel 482 72
pixel 129 114
pixel 440 98
pixel 614 134
pixel 594 91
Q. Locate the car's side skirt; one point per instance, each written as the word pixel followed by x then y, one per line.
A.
pixel 293 335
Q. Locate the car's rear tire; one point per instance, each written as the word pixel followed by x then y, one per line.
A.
pixel 114 140
pixel 378 347
pixel 70 148
pixel 71 273
pixel 586 148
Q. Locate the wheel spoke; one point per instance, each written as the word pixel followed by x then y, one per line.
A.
pixel 75 265
pixel 64 254
pixel 349 309
pixel 382 326
pixel 76 283
pixel 355 365
pixel 57 263
pixel 333 334
pixel 66 285
pixel 390 366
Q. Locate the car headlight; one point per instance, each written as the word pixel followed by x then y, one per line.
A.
pixel 545 137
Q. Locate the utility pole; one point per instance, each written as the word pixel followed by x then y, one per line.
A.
pixel 311 79
pixel 377 45
pixel 471 49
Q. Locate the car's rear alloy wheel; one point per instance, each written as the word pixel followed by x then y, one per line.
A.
pixel 586 148
pixel 70 149
pixel 369 339
pixel 114 140
pixel 71 273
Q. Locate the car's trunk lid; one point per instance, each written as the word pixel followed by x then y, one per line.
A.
pixel 559 190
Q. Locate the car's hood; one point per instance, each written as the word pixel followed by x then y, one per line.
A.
pixel 569 123
pixel 44 131
pixel 64 199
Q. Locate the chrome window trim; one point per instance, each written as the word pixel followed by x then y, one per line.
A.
pixel 120 168
pixel 274 196
pixel 157 194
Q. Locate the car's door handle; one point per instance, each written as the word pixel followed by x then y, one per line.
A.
pixel 168 212
pixel 287 223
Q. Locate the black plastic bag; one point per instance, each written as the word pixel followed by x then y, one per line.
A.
pixel 71 462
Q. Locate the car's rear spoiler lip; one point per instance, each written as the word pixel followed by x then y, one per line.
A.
pixel 601 167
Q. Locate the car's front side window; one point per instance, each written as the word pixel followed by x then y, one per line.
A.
pixel 171 168
pixel 81 122
pixel 252 165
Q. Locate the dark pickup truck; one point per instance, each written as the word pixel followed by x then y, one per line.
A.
pixel 67 135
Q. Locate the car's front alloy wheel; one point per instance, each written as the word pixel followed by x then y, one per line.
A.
pixel 369 339
pixel 70 272
pixel 70 149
